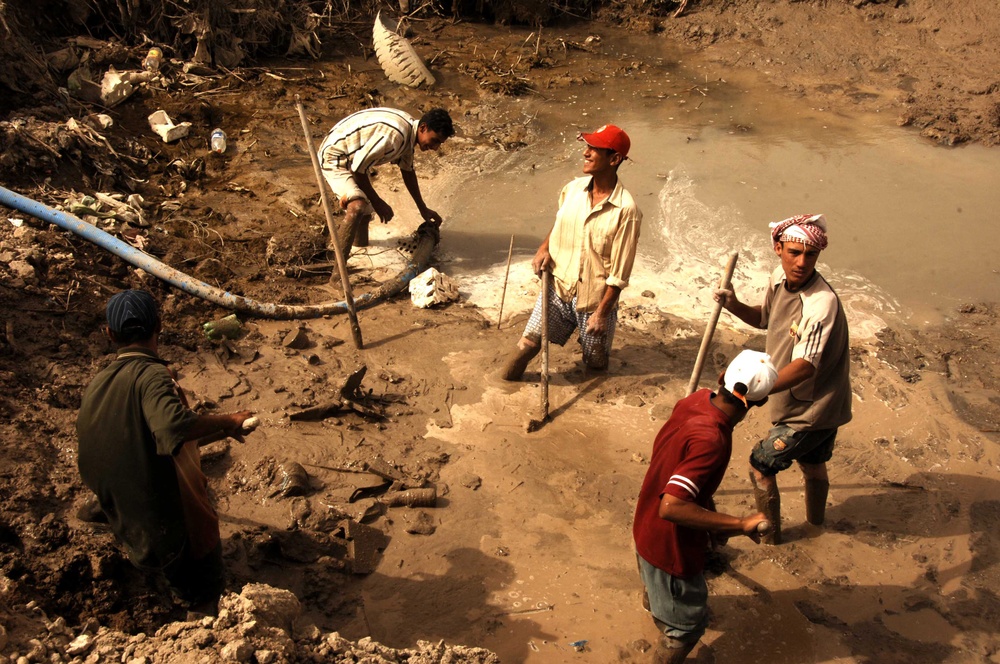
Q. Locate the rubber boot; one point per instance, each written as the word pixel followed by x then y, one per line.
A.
pixel 518 361
pixel 816 493
pixel 768 502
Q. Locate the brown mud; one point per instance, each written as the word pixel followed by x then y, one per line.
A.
pixel 527 549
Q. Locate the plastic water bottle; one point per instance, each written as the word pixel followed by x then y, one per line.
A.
pixel 153 59
pixel 218 141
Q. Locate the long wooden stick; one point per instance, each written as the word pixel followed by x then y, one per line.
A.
pixel 331 227
pixel 706 340
pixel 503 294
pixel 546 278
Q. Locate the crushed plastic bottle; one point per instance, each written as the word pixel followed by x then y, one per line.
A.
pixel 229 327
pixel 153 60
pixel 218 141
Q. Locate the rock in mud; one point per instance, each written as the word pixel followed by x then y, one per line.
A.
pixel 422 524
pixel 294 480
pixel 297 339
pixel 471 481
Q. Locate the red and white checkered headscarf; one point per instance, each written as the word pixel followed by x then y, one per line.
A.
pixel 804 228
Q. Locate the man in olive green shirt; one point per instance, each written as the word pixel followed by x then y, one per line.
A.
pixel 139 455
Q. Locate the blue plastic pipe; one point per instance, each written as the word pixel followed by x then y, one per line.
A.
pixel 192 286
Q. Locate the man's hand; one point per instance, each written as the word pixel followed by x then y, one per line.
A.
pixel 726 296
pixel 597 323
pixel 382 209
pixel 431 216
pixel 542 261
pixel 751 526
pixel 234 429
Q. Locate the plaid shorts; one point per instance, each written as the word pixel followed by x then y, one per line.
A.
pixel 564 318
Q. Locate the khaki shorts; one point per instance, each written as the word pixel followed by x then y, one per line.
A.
pixel 344 187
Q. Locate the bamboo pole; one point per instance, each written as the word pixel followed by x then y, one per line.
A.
pixel 503 294
pixel 331 227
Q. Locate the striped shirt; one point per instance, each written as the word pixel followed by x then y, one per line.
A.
pixel 369 138
pixel 809 324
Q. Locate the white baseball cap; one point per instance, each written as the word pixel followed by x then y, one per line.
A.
pixel 750 376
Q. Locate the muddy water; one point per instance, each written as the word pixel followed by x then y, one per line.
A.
pixel 714 159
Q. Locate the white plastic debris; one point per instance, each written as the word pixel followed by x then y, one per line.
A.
pixel 161 123
pixel 430 287
pixel 97 121
pixel 117 86
pixel 397 56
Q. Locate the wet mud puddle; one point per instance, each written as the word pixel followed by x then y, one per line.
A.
pixel 713 160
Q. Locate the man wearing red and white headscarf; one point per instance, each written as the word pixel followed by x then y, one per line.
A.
pixel 807 338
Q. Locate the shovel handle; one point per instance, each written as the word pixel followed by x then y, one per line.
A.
pixel 706 340
pixel 546 279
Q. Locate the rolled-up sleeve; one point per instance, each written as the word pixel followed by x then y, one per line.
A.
pixel 623 248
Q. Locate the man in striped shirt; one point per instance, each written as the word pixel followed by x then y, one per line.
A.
pixel 675 512
pixel 807 336
pixel 370 138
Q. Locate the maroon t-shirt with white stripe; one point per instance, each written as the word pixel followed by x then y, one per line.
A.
pixel 690 455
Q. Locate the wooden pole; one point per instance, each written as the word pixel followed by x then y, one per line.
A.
pixel 331 227
pixel 503 294
pixel 546 279
pixel 706 340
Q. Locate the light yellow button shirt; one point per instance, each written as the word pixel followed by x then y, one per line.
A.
pixel 593 246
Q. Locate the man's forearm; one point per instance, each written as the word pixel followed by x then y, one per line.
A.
pixel 749 315
pixel 208 424
pixel 608 301
pixel 413 187
pixel 365 185
pixel 690 515
pixel 792 374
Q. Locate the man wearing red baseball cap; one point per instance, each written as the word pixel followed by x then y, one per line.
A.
pixel 589 251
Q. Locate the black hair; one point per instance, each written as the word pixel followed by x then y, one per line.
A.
pixel 438 121
pixel 731 398
pixel 132 332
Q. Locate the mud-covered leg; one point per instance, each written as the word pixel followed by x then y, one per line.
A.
pixel 518 360
pixel 347 228
pixel 672 651
pixel 361 233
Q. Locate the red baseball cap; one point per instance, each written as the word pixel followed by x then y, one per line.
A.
pixel 609 137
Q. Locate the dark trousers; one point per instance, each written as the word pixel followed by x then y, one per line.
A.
pixel 198 581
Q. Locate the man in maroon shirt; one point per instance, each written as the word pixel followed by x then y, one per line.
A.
pixel 675 511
